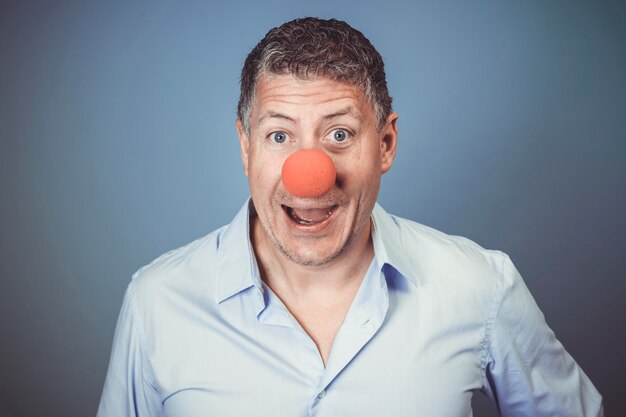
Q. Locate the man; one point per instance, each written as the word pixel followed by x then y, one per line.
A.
pixel 314 300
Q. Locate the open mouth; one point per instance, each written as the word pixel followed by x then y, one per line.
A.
pixel 309 217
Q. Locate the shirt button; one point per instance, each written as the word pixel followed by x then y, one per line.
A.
pixel 322 394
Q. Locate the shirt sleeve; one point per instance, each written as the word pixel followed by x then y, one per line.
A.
pixel 128 390
pixel 527 372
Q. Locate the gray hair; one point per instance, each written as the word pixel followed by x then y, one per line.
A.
pixel 312 47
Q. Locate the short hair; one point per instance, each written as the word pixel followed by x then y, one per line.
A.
pixel 311 47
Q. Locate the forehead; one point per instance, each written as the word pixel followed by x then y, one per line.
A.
pixel 286 92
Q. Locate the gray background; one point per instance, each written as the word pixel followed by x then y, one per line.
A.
pixel 118 144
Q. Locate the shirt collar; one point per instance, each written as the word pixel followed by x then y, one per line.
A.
pixel 236 265
pixel 238 270
pixel 388 245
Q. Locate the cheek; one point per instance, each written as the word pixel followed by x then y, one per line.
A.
pixel 359 171
pixel 265 171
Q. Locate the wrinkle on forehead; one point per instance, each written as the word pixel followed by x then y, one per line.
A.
pixel 350 111
pixel 276 92
pixel 294 88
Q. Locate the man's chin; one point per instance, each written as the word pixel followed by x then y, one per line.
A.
pixel 308 257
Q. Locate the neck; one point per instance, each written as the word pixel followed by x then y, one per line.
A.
pixel 288 278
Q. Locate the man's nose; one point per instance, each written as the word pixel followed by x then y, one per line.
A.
pixel 308 173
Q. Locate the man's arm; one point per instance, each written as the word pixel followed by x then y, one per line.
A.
pixel 128 390
pixel 526 369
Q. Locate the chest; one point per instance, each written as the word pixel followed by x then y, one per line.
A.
pixel 400 366
pixel 321 325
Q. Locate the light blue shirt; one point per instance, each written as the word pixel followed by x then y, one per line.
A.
pixel 436 319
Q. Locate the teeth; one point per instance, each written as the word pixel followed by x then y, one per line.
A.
pixel 307 222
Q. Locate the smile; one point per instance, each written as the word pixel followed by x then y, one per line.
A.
pixel 309 216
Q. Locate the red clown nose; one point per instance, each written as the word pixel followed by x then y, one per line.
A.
pixel 309 173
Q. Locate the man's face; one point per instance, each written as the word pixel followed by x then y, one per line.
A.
pixel 290 115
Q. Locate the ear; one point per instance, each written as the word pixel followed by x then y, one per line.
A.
pixel 389 142
pixel 244 145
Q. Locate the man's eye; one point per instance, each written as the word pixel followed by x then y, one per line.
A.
pixel 278 137
pixel 339 135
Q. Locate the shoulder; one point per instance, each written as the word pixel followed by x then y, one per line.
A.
pixel 439 257
pixel 185 273
pixel 439 239
pixel 456 277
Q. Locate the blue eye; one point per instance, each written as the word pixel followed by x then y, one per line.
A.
pixel 339 135
pixel 278 137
